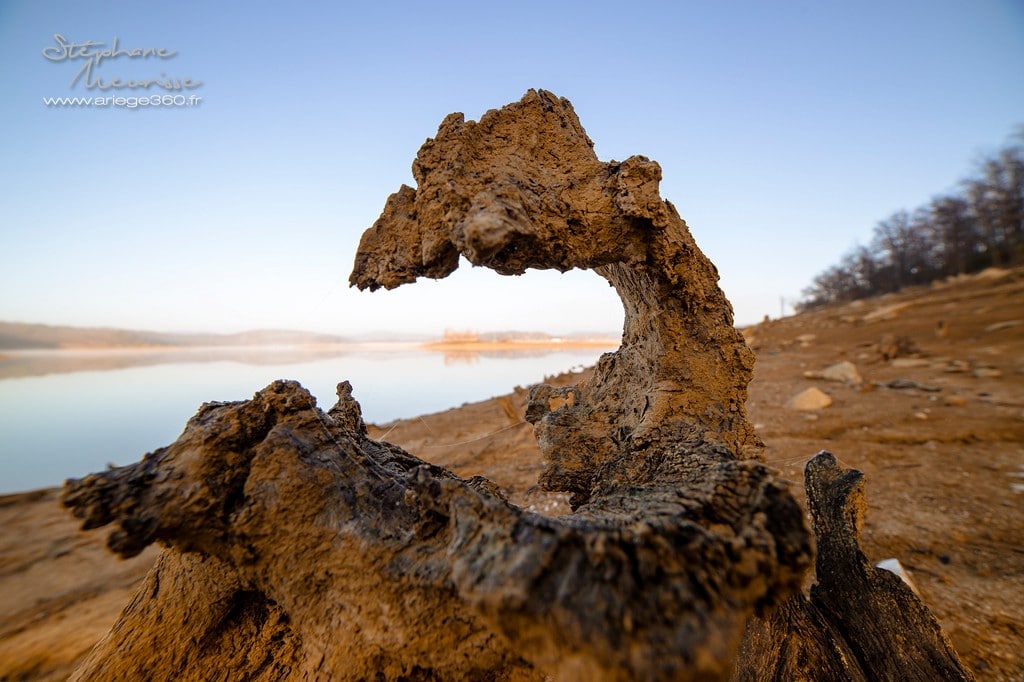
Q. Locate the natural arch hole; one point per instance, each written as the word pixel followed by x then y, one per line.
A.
pixel 574 304
pixel 579 310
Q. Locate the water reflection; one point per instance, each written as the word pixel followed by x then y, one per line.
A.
pixel 460 357
pixel 64 414
pixel 43 362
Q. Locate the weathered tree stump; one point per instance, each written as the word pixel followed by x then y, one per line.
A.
pixel 860 622
pixel 298 548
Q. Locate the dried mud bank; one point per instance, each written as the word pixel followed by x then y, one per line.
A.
pixel 298 547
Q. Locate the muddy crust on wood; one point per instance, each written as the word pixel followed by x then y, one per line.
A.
pixel 347 558
pixel 363 558
pixel 860 623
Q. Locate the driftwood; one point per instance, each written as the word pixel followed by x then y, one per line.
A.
pixel 298 548
pixel 861 623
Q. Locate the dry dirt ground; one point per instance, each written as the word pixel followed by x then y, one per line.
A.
pixel 936 424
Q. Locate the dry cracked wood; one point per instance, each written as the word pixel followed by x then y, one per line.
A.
pixel 861 623
pixel 363 559
pixel 308 551
pixel 522 188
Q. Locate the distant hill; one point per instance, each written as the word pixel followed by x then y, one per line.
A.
pixel 22 336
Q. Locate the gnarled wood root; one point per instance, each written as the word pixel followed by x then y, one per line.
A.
pixel 347 558
pixel 861 623
pixel 343 557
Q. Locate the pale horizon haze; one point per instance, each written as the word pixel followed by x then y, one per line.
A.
pixel 785 132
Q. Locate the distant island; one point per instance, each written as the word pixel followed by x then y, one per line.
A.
pixel 454 340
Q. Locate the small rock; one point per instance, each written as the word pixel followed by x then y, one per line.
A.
pixel 806 339
pixel 987 373
pixel 923 416
pixel 1009 324
pixel 909 362
pixel 844 372
pixel 891 346
pixel 957 366
pixel 901 383
pixel 955 400
pixel 810 399
pixel 889 312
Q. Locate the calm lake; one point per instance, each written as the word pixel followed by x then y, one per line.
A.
pixel 68 413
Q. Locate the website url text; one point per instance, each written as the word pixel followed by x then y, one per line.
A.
pixel 125 102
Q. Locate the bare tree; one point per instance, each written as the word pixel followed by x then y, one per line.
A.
pixel 982 227
pixel 956 233
pixel 891 241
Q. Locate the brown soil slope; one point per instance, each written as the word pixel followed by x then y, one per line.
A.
pixel 938 430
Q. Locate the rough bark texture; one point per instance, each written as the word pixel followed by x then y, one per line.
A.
pixel 522 188
pixel 861 622
pixel 301 549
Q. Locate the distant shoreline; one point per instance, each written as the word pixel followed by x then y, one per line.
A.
pixel 9 353
pixel 31 362
pixel 512 344
pixel 20 339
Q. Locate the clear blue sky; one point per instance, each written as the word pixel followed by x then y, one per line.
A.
pixel 784 130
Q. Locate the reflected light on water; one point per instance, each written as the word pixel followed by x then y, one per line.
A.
pixel 66 414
